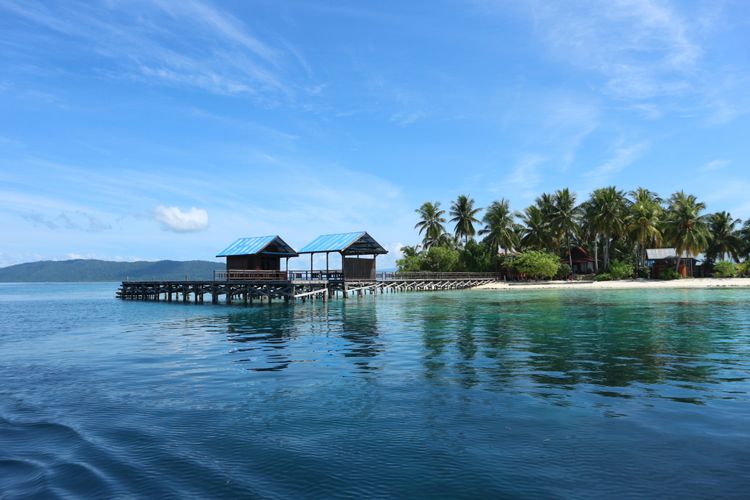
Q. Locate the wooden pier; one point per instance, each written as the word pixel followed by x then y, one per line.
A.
pixel 248 287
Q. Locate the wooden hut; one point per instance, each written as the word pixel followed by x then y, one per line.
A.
pixel 355 250
pixel 257 257
pixel 583 263
pixel 660 259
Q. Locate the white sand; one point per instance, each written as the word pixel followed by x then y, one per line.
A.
pixel 621 285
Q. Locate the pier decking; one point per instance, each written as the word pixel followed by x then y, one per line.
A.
pixel 248 287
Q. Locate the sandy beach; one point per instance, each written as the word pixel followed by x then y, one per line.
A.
pixel 621 285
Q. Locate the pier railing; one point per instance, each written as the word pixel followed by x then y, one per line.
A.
pixel 426 275
pixel 316 275
pixel 249 275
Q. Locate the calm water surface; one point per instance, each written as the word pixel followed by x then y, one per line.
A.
pixel 448 394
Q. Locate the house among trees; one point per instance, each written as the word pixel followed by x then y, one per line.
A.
pixel 661 259
pixel 258 256
pixel 583 263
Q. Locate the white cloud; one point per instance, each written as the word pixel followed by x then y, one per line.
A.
pixel 147 41
pixel 714 165
pixel 174 219
pixel 525 174
pixel 622 156
pixel 642 48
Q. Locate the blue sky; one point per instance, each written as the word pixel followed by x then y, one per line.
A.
pixel 165 129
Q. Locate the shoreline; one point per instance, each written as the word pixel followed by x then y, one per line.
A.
pixel 620 284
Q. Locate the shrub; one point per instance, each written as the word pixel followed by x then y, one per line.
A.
pixel 564 272
pixel 537 265
pixel 743 269
pixel 603 277
pixel 409 264
pixel 643 272
pixel 620 270
pixel 669 274
pixel 725 269
pixel 440 259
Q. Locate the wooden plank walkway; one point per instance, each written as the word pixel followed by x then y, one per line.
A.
pixel 266 291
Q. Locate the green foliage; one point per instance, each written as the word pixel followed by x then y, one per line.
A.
pixel 743 269
pixel 537 265
pixel 725 269
pixel 685 227
pixel 409 264
pixel 440 259
pixel 464 215
pixel 476 257
pixel 431 223
pixel 669 274
pixel 603 277
pixel 621 270
pixel 564 272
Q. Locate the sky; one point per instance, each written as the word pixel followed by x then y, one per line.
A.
pixel 167 129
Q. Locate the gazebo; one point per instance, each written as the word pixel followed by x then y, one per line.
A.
pixel 352 247
pixel 257 257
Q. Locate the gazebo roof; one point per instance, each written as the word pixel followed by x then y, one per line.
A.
pixel 258 245
pixel 359 243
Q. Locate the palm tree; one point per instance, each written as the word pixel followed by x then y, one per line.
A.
pixel 537 229
pixel 725 239
pixel 464 215
pixel 430 222
pixel 410 251
pixel 684 226
pixel 565 217
pixel 607 213
pixel 500 229
pixel 644 220
pixel 744 235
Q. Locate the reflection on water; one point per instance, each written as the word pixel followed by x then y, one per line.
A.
pixel 548 346
pixel 454 394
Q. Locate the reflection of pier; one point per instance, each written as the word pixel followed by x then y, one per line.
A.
pixel 254 273
pixel 247 288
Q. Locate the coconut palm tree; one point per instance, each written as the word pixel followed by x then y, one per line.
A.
pixel 644 220
pixel 744 235
pixel 607 211
pixel 499 229
pixel 565 218
pixel 410 251
pixel 465 216
pixel 725 239
pixel 430 223
pixel 537 231
pixel 588 231
pixel 685 227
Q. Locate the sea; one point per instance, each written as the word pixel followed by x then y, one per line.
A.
pixel 455 394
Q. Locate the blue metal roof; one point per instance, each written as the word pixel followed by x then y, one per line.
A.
pixel 255 245
pixel 331 242
pixel 342 242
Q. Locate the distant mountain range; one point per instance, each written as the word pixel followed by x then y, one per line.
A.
pixel 103 270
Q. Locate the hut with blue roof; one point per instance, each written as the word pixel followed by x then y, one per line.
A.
pixel 258 253
pixel 354 249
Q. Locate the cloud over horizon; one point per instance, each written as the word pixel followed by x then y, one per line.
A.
pixel 179 221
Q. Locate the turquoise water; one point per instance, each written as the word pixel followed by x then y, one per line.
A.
pixel 447 394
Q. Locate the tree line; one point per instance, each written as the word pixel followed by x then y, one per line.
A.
pixel 613 226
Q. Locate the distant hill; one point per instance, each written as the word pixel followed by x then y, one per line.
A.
pixel 103 270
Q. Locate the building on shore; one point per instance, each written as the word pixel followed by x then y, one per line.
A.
pixel 258 257
pixel 661 259
pixel 583 263
pixel 358 253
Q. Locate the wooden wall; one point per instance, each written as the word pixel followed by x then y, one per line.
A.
pixel 254 262
pixel 359 268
